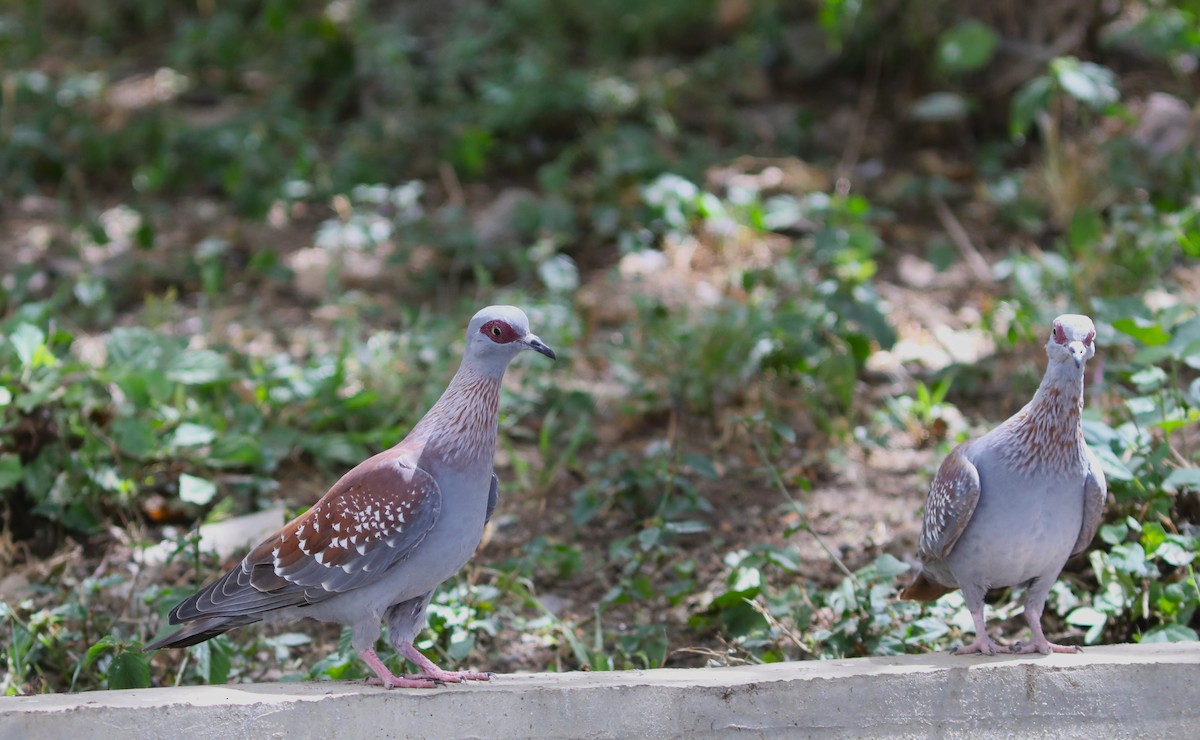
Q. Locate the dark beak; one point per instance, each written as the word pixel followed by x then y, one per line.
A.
pixel 538 345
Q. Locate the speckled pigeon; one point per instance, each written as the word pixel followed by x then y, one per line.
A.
pixel 381 540
pixel 1009 508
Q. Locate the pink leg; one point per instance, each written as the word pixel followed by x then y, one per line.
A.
pixel 983 644
pixel 430 672
pixel 383 677
pixel 1039 643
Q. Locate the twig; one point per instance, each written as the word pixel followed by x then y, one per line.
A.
pixel 723 658
pixel 454 191
pixel 775 623
pixel 1031 58
pixel 954 229
pixel 858 132
pixel 804 524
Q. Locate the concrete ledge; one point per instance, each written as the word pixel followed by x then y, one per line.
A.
pixel 1123 690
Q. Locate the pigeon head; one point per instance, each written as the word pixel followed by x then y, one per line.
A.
pixel 1073 339
pixel 497 334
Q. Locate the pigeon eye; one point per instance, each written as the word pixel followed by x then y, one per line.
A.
pixel 1060 335
pixel 1087 341
pixel 498 331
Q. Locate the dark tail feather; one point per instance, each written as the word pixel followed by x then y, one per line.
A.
pixel 199 631
pixel 924 589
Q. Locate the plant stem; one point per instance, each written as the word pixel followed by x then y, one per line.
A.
pixel 804 523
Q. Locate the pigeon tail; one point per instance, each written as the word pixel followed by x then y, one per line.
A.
pixel 924 589
pixel 200 631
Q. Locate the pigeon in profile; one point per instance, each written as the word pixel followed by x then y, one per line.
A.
pixel 378 543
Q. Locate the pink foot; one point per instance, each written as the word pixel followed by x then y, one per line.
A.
pixel 982 646
pixel 400 682
pixel 383 677
pixel 437 674
pixel 1043 646
pixel 430 671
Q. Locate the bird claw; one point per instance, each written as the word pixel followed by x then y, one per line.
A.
pixel 982 646
pixel 1043 646
pixel 451 676
pixel 402 682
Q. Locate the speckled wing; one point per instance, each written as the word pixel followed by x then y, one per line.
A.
pixel 952 499
pixel 1095 495
pixel 368 522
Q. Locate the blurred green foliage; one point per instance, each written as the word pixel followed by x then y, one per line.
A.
pixel 164 135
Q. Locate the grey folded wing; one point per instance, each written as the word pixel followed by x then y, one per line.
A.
pixel 953 496
pixel 371 520
pixel 493 498
pixel 1095 495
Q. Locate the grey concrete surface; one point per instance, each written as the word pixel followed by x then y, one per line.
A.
pixel 1116 691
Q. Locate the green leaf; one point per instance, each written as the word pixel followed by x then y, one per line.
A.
pixel 11 471
pixel 1145 331
pixel 95 651
pixel 1114 534
pixel 1114 469
pixel 1086 231
pixel 939 106
pixel 966 47
pixel 784 431
pixel 649 537
pixel 701 465
pixel 1130 558
pixel 139 350
pixel 889 566
pixel 687 527
pixel 559 274
pixel 219 661
pixel 236 450
pixel 1175 554
pixel 1170 633
pixel 1171 425
pixel 129 670
pixel 1182 478
pixel 197 367
pixel 30 345
pixel 196 490
pixel 745 584
pixel 134 436
pixel 1153 535
pixel 1028 101
pixel 1086 616
pixel 188 434
pixel 1093 619
pixel 1089 83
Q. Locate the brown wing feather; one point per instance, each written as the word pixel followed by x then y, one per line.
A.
pixel 952 499
pixel 369 521
pixel 1095 495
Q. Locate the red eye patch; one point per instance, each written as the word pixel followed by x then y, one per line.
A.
pixel 1087 341
pixel 1060 335
pixel 498 331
